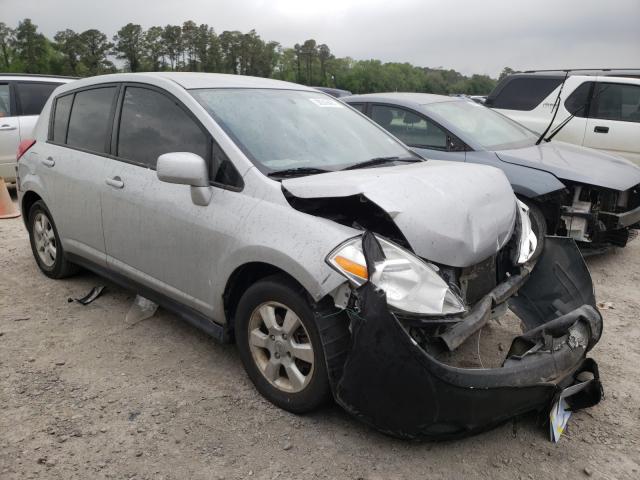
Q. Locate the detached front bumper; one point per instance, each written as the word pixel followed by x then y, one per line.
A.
pixel 389 381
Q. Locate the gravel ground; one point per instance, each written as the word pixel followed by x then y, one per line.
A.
pixel 84 395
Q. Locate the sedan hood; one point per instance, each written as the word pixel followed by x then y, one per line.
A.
pixel 577 164
pixel 450 213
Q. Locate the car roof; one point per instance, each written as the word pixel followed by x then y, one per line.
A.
pixel 30 77
pixel 407 99
pixel 194 80
pixel 604 72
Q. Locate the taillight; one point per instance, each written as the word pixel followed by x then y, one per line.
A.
pixel 23 147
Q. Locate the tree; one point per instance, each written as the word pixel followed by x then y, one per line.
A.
pixel 31 48
pixel 95 51
pixel 129 45
pixel 506 71
pixel 309 53
pixel 6 39
pixel 189 40
pixel 324 55
pixel 69 44
pixel 172 37
pixel 154 49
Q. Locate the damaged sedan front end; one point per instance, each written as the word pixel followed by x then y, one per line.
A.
pixel 407 314
pixel 392 379
pixel 413 302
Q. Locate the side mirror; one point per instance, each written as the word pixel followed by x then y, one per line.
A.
pixel 186 168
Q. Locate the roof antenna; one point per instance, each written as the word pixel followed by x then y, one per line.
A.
pixel 556 107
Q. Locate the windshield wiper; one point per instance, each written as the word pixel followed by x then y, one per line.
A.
pixel 381 161
pixel 555 131
pixel 556 107
pixel 297 172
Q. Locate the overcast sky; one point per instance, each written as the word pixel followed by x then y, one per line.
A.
pixel 470 36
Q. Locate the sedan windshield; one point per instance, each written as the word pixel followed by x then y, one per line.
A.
pixel 482 125
pixel 297 131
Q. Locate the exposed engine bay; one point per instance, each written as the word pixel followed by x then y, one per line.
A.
pixel 599 216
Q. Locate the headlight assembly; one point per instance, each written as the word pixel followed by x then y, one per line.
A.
pixel 411 285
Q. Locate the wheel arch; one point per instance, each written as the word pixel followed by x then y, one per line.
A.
pixel 243 277
pixel 28 199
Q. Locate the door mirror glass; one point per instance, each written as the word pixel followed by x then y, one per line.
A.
pixel 184 168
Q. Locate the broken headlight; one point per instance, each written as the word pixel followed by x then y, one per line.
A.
pixel 526 242
pixel 411 284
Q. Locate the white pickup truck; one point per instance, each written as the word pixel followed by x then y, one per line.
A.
pixel 605 105
pixel 22 97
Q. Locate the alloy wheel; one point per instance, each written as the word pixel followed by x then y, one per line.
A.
pixel 44 239
pixel 281 347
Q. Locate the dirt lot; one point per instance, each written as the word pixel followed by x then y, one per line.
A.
pixel 85 395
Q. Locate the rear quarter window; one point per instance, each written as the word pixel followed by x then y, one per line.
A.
pixel 523 93
pixel 62 108
pixel 33 95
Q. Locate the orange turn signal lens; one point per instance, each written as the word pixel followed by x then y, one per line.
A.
pixel 352 267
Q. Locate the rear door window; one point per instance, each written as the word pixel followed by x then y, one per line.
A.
pixel 5 100
pixel 90 119
pixel 412 129
pixel 62 108
pixel 33 95
pixel 617 101
pixel 524 93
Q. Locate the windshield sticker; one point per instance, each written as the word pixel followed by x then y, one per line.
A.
pixel 326 102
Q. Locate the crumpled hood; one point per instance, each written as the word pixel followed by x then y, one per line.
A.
pixel 451 213
pixel 575 163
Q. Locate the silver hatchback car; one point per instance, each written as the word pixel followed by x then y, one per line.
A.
pixel 340 262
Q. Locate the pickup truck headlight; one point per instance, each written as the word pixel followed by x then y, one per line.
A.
pixel 411 284
pixel 527 241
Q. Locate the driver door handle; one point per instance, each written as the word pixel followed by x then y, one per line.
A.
pixel 8 127
pixel 600 129
pixel 115 182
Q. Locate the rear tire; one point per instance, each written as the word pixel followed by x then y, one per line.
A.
pixel 45 243
pixel 280 345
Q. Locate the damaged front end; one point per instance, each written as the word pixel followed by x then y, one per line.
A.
pixel 600 217
pixel 393 377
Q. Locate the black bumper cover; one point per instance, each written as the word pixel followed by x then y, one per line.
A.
pixel 391 383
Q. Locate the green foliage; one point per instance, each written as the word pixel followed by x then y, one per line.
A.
pixel 129 46
pixel 197 48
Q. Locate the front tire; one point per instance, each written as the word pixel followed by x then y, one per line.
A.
pixel 280 345
pixel 45 243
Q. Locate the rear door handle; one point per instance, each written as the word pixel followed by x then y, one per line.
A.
pixel 48 162
pixel 600 129
pixel 115 182
pixel 8 127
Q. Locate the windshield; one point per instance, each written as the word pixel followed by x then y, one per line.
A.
pixel 482 125
pixel 290 129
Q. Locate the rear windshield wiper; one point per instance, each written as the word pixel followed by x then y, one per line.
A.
pixel 381 161
pixel 296 172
